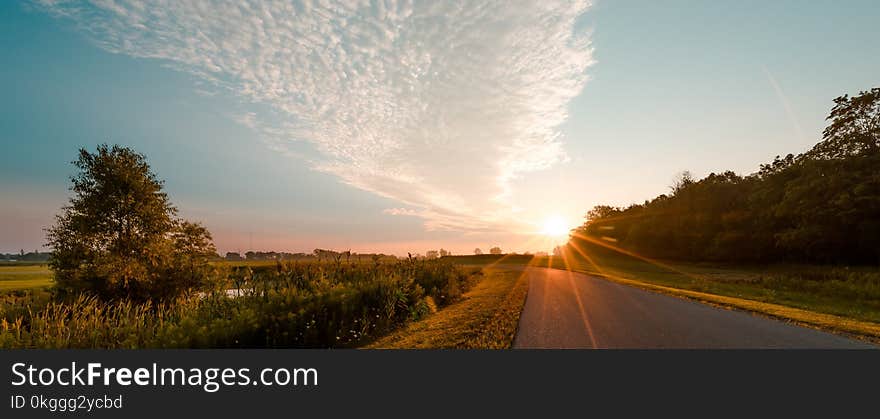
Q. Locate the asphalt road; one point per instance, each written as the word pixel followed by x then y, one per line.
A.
pixel 571 310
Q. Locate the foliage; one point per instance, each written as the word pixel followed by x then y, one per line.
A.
pixel 821 206
pixel 119 236
pixel 288 304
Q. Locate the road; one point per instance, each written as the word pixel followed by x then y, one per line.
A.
pixel 572 310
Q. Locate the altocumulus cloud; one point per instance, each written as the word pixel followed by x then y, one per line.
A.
pixel 437 105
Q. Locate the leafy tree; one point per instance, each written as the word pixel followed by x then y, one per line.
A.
pixel 854 128
pixel 119 236
pixel 495 251
pixel 477 251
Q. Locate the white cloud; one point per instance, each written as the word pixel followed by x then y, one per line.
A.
pixel 437 105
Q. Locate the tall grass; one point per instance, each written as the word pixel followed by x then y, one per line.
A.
pixel 291 304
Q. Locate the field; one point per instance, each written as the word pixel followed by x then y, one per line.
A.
pixel 24 276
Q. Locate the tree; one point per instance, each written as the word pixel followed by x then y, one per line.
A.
pixel 495 250
pixel 432 254
pixel 477 251
pixel 444 253
pixel 681 182
pixel 119 236
pixel 854 127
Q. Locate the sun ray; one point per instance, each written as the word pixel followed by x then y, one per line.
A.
pixel 635 255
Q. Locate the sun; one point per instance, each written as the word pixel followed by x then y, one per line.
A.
pixel 554 226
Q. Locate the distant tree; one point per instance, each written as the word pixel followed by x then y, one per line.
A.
pixel 432 254
pixel 495 250
pixel 477 251
pixel 233 256
pixel 119 237
pixel 444 253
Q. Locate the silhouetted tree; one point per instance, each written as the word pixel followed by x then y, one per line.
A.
pixel 495 250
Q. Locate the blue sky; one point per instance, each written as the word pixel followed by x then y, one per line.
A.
pixel 414 126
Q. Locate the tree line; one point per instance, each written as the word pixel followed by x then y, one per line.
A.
pixel 821 206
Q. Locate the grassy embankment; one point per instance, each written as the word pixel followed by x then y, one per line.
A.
pixel 486 318
pixel 839 299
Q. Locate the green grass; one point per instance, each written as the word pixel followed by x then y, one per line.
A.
pixel 486 318
pixel 842 291
pixel 24 276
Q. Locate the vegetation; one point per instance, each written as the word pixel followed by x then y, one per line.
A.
pixel 288 304
pixel 486 318
pixel 822 206
pixel 119 237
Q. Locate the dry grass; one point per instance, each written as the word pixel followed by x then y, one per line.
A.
pixel 486 318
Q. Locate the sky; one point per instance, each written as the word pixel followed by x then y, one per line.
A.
pixel 404 126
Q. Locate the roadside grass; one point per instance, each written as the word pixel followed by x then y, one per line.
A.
pixel 24 276
pixel 485 318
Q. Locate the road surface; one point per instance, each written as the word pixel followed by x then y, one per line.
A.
pixel 572 310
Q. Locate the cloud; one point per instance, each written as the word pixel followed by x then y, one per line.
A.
pixel 437 105
pixel 402 211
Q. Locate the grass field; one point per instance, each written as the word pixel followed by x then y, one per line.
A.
pixel 486 318
pixel 24 276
